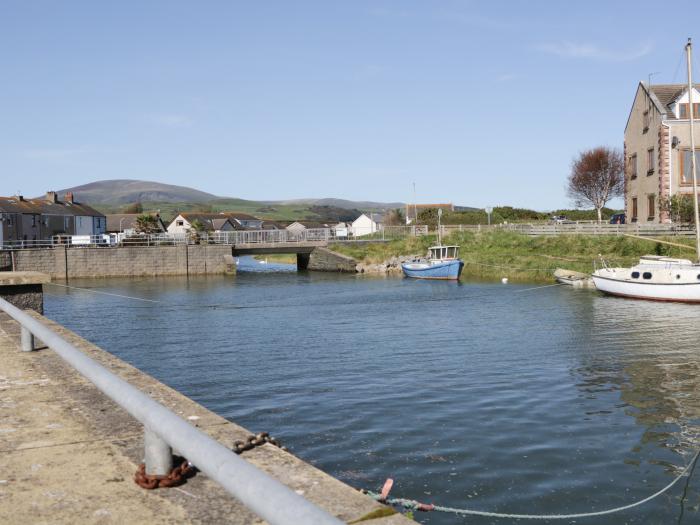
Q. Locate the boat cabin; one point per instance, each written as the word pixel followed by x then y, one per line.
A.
pixel 444 253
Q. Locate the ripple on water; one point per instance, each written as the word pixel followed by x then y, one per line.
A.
pixel 467 394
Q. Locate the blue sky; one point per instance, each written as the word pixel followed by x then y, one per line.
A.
pixel 478 103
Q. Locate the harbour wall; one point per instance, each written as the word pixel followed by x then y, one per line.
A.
pixel 127 261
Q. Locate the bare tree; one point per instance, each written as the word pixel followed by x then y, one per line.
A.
pixel 597 175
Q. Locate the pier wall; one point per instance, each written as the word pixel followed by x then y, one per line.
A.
pixel 128 261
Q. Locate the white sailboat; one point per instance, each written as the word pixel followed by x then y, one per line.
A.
pixel 654 277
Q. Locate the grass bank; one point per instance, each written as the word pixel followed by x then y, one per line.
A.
pixel 493 255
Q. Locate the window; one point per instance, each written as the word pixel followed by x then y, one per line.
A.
pixel 634 209
pixel 683 110
pixel 635 275
pixel 180 223
pixel 646 275
pixel 645 121
pixel 651 207
pixel 686 165
pixel 651 161
pixel 33 221
pixel 633 166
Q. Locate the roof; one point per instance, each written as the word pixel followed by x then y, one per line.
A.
pixel 210 221
pixel 45 207
pixel 118 222
pixel 220 223
pixel 663 96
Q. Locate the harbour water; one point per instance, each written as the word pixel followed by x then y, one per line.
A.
pixel 478 395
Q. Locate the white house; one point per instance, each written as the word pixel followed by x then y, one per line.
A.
pixel 365 225
pixel 212 222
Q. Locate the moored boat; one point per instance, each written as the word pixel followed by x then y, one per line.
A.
pixel 443 263
pixel 572 278
pixel 655 278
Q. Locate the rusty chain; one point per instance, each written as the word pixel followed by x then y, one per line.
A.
pixel 255 440
pixel 177 476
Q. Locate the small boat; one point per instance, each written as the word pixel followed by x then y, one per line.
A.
pixel 655 277
pixel 572 278
pixel 443 263
pixel 660 278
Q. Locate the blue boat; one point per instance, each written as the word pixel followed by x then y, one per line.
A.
pixel 443 263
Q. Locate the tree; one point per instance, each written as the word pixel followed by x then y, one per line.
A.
pixel 147 224
pixel 195 231
pixel 136 207
pixel 680 207
pixel 597 175
pixel 395 218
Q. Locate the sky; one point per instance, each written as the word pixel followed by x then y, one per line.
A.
pixel 477 103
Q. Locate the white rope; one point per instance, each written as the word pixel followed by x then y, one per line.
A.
pixel 104 293
pixel 413 504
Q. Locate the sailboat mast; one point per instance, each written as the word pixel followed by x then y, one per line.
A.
pixel 691 117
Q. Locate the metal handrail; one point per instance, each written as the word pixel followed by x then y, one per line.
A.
pixel 264 495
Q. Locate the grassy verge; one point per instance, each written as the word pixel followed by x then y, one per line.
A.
pixel 493 255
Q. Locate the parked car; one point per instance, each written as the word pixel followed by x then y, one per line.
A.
pixel 618 218
pixel 560 219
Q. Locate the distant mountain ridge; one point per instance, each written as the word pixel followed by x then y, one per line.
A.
pixel 118 192
pixel 127 191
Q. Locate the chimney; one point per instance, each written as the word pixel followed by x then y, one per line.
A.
pixel 52 196
pixel 69 197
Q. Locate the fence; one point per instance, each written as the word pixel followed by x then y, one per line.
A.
pixel 325 235
pixel 581 228
pixel 164 431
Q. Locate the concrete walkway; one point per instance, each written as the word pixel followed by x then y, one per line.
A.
pixel 68 454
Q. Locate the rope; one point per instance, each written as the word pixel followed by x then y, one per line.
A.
pixel 104 293
pixel 411 504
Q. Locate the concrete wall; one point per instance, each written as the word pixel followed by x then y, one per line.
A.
pixel 131 261
pixel 325 260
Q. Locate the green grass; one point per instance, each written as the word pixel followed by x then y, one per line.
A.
pixel 493 255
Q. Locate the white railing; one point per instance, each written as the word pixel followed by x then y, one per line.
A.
pixel 324 235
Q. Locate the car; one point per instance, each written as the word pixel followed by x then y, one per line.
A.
pixel 618 218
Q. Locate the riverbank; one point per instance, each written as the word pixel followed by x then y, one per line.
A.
pixel 498 254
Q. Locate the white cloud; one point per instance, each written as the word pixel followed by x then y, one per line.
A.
pixel 584 50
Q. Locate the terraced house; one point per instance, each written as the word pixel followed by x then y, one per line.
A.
pixel 29 220
pixel 657 149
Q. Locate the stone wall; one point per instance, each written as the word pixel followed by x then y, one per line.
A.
pixel 128 261
pixel 5 261
pixel 325 260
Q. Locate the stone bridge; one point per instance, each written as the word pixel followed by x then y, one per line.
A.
pixel 311 255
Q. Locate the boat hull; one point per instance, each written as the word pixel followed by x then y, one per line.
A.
pixel 448 270
pixel 685 293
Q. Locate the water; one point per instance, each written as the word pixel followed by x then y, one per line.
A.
pixel 473 395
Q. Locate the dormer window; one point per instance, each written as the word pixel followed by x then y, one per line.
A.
pixel 683 110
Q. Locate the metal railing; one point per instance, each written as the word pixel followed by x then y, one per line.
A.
pixel 324 235
pixel 164 431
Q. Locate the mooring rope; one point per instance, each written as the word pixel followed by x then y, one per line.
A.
pixel 104 293
pixel 411 504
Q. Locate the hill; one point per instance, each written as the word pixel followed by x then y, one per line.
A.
pixel 126 191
